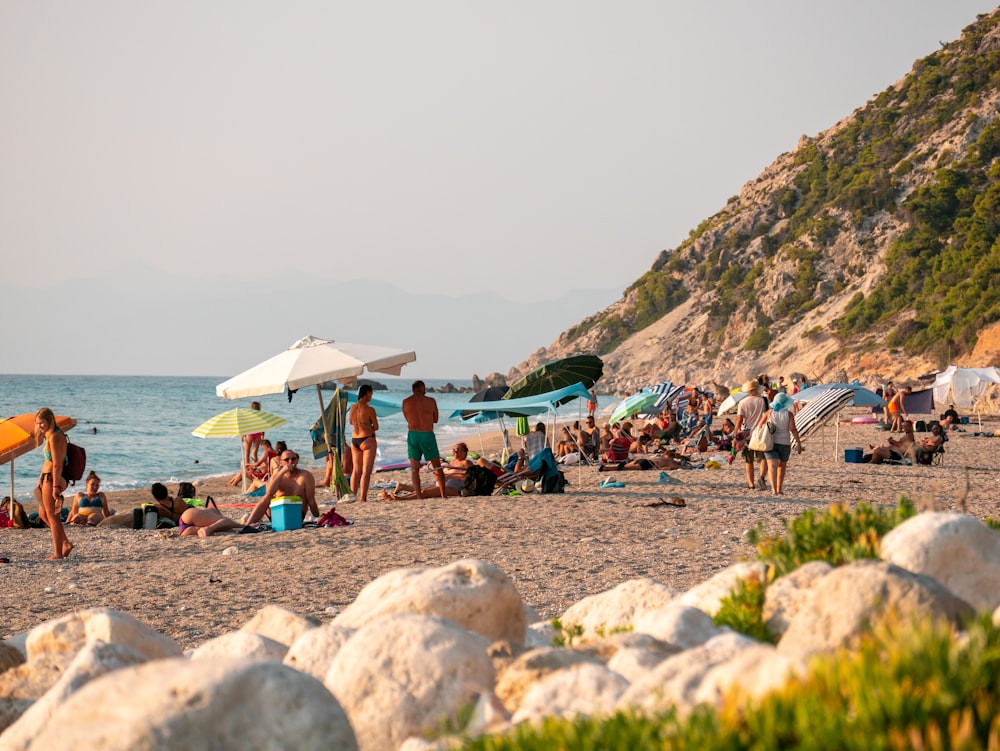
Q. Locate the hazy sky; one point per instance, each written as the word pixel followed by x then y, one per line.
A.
pixel 525 148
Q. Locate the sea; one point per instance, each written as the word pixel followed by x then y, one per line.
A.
pixel 137 429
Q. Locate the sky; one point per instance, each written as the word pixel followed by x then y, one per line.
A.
pixel 524 160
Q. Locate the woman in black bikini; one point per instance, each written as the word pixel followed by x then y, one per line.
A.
pixel 50 482
pixel 364 423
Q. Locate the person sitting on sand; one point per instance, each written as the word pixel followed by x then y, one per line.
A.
pixel 653 461
pixel 91 506
pixel 288 482
pixel 928 445
pixel 897 449
pixel 454 474
pixel 566 444
pixel 259 470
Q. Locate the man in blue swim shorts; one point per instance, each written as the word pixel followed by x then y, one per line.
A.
pixel 421 413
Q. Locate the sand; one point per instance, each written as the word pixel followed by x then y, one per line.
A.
pixel 556 548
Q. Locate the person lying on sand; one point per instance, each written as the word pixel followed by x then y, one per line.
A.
pixel 651 461
pixel 207 521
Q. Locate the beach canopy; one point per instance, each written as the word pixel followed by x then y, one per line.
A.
pixel 860 396
pixel 964 385
pixel 529 405
pixel 17 437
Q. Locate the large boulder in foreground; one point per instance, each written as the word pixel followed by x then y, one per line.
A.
pixel 846 601
pixel 219 704
pixel 408 674
pixel 470 592
pixel 955 549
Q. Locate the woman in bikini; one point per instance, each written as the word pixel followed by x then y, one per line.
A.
pixel 364 423
pixel 51 484
pixel 91 506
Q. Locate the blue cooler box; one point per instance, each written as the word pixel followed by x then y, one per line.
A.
pixel 286 514
pixel 853 456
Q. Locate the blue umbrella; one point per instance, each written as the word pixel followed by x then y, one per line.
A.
pixel 861 397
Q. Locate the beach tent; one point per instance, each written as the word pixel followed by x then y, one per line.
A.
pixel 963 386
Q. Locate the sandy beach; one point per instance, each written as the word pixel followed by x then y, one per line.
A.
pixel 556 548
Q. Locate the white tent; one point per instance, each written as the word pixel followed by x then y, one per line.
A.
pixel 963 386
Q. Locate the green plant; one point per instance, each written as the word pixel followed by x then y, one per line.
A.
pixel 837 536
pixel 742 610
pixel 565 634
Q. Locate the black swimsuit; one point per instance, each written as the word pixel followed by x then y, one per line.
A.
pixel 356 442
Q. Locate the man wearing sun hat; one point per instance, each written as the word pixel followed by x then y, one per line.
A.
pixel 748 414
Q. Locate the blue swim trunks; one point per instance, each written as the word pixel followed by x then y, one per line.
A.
pixel 421 444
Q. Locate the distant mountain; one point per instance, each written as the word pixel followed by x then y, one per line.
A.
pixel 871 250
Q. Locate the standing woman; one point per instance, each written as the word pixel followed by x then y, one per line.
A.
pixel 364 423
pixel 50 482
pixel 784 430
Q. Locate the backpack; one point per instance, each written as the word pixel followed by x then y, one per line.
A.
pixel 75 464
pixel 478 481
pixel 554 483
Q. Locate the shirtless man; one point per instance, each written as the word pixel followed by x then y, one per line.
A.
pixel 287 481
pixel 897 410
pixel 421 413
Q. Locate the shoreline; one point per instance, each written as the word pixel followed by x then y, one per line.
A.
pixel 556 548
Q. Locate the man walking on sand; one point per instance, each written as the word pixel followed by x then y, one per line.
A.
pixel 421 412
pixel 288 481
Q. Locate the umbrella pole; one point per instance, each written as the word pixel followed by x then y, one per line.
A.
pixel 243 465
pixel 12 479
pixel 326 427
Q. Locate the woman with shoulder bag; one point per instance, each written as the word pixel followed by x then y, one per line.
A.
pixel 781 417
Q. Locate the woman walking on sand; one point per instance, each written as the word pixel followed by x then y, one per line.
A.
pixel 781 417
pixel 364 423
pixel 51 484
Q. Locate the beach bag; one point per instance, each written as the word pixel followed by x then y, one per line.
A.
pixel 75 464
pixel 478 481
pixel 762 438
pixel 16 517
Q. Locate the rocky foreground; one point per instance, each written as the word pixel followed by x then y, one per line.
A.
pixel 418 646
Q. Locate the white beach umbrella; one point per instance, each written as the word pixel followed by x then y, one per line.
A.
pixel 312 361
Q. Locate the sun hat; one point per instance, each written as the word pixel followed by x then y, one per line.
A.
pixel 781 402
pixel 751 386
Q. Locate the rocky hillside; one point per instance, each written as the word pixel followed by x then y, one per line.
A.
pixel 869 251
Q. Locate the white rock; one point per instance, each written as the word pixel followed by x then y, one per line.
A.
pixel 531 667
pixel 848 599
pixel 675 681
pixel 957 550
pixel 680 625
pixel 71 632
pixel 231 550
pixel 405 674
pixel 225 705
pixel 241 644
pixel 539 635
pixel 617 608
pixel 584 689
pixel 278 623
pixel 788 594
pixel 92 661
pixel 756 670
pixel 313 652
pixel 474 594
pixel 708 595
pixel 636 654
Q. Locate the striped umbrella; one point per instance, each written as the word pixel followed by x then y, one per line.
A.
pixel 823 407
pixel 237 422
pixel 668 393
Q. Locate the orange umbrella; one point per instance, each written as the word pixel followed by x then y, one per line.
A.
pixel 17 436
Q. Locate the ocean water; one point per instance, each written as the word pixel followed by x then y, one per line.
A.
pixel 137 429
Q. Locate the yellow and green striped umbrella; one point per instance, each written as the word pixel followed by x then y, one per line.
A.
pixel 239 421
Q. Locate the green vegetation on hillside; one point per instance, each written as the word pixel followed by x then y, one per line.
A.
pixel 943 281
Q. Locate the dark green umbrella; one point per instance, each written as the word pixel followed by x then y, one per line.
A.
pixel 558 374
